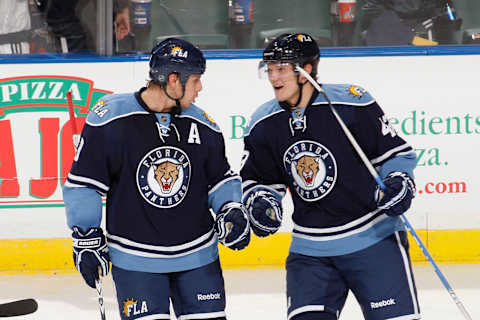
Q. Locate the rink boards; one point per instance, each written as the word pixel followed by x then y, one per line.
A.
pixel 430 98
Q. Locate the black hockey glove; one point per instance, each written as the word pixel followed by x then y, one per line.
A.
pixel 232 226
pixel 397 198
pixel 264 212
pixel 90 253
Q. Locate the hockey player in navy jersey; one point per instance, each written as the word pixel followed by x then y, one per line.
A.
pixel 346 234
pixel 160 161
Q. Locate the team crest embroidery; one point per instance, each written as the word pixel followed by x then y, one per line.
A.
pixel 312 168
pixel 355 91
pixel 163 176
pixel 208 118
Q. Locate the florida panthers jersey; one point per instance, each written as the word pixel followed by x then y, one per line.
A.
pixel 306 151
pixel 161 174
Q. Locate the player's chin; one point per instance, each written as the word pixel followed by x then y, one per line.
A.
pixel 193 100
pixel 280 96
pixel 186 104
pixel 278 90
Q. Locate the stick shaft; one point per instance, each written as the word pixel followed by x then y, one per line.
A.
pixel 98 286
pixel 437 269
pixel 72 113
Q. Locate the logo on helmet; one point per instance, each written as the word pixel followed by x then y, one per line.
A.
pixel 312 169
pixel 163 176
pixel 304 38
pixel 178 52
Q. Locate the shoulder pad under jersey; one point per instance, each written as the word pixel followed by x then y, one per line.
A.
pixel 112 107
pixel 201 116
pixel 266 110
pixel 345 94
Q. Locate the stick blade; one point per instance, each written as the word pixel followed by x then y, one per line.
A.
pixel 18 308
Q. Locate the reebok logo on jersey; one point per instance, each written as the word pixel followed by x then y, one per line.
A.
pixel 209 296
pixel 383 303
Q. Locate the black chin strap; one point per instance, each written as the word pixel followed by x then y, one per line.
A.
pixel 285 105
pixel 178 108
pixel 300 85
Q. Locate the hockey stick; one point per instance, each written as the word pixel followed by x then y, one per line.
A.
pixel 18 308
pixel 377 178
pixel 98 286
pixel 71 113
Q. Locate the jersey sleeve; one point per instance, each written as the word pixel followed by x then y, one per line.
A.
pixel 381 143
pixel 88 179
pixel 224 184
pixel 259 170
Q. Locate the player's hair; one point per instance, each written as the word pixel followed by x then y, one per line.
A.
pixel 178 56
pixel 297 49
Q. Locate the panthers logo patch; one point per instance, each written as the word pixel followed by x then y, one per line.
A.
pixel 356 91
pixel 163 176
pixel 312 169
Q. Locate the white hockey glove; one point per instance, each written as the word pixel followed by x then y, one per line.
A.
pixel 397 198
pixel 264 212
pixel 232 226
pixel 90 253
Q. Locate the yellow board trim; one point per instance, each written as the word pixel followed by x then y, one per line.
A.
pixel 55 255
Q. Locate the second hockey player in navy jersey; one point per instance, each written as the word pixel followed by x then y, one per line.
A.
pixel 160 161
pixel 346 234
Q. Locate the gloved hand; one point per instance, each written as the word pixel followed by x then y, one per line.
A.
pixel 397 198
pixel 264 212
pixel 232 226
pixel 90 253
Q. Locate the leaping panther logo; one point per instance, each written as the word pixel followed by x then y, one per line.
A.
pixel 312 168
pixel 163 176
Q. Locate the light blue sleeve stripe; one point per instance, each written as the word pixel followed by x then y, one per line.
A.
pixel 83 207
pixel 230 191
pixel 402 163
pixel 195 260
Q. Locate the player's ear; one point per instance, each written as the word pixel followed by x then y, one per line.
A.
pixel 307 67
pixel 172 78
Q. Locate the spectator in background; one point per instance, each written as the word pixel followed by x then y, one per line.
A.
pixel 405 22
pixel 22 28
pixel 74 34
pixel 122 20
pixel 13 26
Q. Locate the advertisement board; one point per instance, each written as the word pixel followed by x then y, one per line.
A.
pixel 431 101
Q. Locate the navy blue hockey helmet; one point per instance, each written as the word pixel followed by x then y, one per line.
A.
pixel 297 49
pixel 174 55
